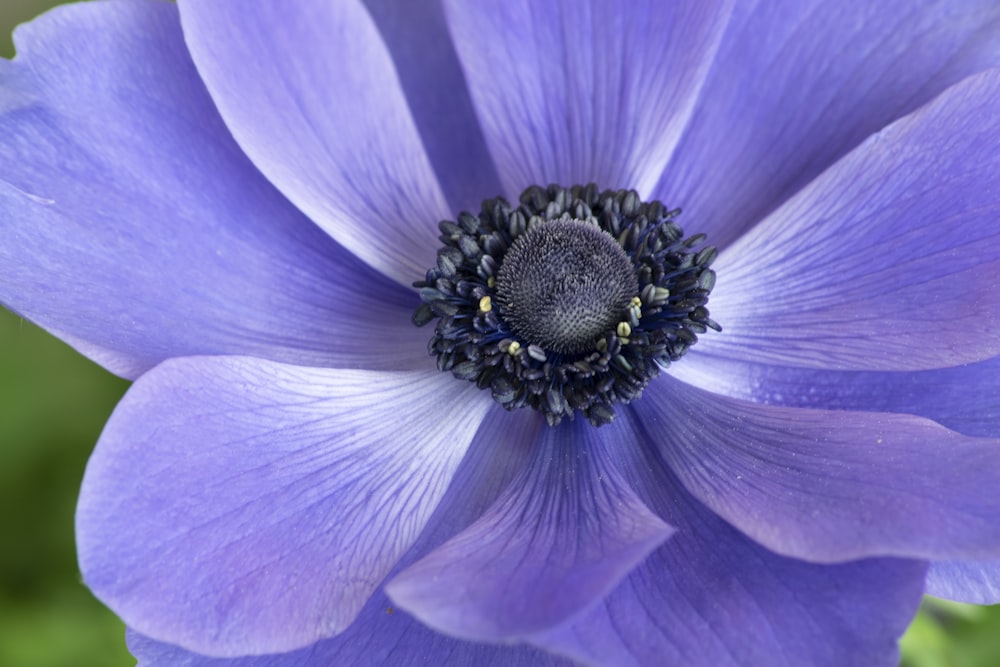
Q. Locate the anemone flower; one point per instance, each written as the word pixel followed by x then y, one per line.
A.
pixel 645 447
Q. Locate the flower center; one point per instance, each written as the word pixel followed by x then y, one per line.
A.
pixel 562 285
pixel 570 302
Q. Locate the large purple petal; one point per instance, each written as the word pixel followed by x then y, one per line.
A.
pixel 574 92
pixel 383 634
pixel 975 582
pixel 134 226
pixel 561 537
pixel 271 499
pixel 963 398
pixel 885 262
pixel 798 84
pixel 310 93
pixel 831 485
pixel 709 597
pixel 416 34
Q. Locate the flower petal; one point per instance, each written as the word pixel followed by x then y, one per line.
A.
pixel 885 262
pixel 571 92
pixel 974 582
pixel 416 34
pixel 566 531
pixel 382 635
pixel 310 93
pixel 135 227
pixel 709 597
pixel 963 398
pixel 273 499
pixel 831 485
pixel 797 85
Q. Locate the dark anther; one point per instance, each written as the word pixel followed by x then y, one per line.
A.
pixel 572 301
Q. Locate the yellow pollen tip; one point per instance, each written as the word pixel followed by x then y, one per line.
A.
pixel 514 348
pixel 624 329
pixel 635 307
pixel 485 304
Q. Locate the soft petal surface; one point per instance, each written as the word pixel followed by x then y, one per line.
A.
pixel 383 634
pixel 799 83
pixel 310 93
pixel 416 34
pixel 273 499
pixel 888 261
pixel 381 637
pixel 964 398
pixel 134 226
pixel 975 582
pixel 831 485
pixel 566 531
pixel 574 92
pixel 709 597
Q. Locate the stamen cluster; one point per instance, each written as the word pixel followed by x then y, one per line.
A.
pixel 475 341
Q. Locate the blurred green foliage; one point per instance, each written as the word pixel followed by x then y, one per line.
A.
pixel 13 12
pixel 948 634
pixel 53 403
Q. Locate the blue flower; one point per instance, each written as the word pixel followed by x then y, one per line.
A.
pixel 230 205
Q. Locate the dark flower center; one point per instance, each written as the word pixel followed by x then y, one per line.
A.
pixel 562 285
pixel 572 301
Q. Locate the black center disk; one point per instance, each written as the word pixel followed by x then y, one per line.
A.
pixel 570 302
pixel 563 285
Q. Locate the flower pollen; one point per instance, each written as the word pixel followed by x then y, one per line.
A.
pixel 570 302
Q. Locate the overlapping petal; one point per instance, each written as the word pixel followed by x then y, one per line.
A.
pixel 565 532
pixel 571 92
pixel 964 398
pixel 975 582
pixel 383 634
pixel 885 262
pixel 134 226
pixel 709 597
pixel 276 499
pixel 416 34
pixel 381 637
pixel 831 485
pixel 310 93
pixel 273 499
pixel 798 84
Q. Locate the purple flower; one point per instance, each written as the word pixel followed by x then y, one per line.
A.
pixel 230 205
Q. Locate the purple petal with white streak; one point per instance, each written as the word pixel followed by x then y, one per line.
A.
pixel 963 398
pixel 383 634
pixel 273 499
pixel 831 485
pixel 710 597
pixel 309 91
pixel 571 92
pixel 566 531
pixel 885 262
pixel 416 34
pixel 797 84
pixel 134 226
pixel 974 582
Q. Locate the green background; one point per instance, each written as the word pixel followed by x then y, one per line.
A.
pixel 53 403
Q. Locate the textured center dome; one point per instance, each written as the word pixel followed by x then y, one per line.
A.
pixel 563 284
